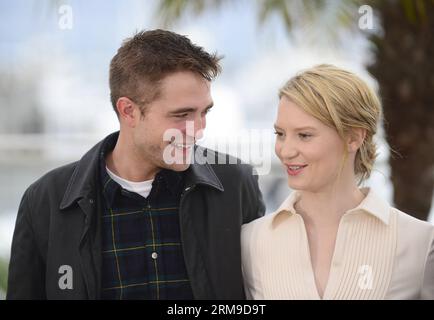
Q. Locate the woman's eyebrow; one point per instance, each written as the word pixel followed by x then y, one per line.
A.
pixel 304 128
pixel 277 127
pixel 296 129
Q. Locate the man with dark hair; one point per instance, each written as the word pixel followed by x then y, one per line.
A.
pixel 135 218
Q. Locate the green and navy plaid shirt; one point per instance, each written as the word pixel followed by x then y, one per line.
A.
pixel 142 254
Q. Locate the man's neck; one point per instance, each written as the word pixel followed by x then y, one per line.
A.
pixel 125 163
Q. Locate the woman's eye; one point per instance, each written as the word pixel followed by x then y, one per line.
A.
pixel 278 133
pixel 304 135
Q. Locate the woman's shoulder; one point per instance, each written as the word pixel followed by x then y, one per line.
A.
pixel 258 234
pixel 409 227
pixel 414 228
pixel 413 222
pixel 260 223
pixel 268 221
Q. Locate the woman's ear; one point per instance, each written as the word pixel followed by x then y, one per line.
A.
pixel 355 139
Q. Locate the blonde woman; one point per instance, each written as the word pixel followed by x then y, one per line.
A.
pixel 331 239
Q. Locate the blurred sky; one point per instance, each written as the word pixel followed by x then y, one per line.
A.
pixel 71 66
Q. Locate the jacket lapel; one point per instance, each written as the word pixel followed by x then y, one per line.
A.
pixel 83 190
pixel 85 249
pixel 197 175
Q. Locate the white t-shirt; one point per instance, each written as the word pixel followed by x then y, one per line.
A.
pixel 143 187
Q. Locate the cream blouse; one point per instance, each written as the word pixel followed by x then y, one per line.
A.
pixel 380 253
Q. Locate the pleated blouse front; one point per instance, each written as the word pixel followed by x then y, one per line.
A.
pixel 277 263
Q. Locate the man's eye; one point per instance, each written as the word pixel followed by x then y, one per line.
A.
pixel 182 115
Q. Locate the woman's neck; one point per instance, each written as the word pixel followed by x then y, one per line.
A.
pixel 327 206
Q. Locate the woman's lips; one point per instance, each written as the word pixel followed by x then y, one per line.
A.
pixel 295 169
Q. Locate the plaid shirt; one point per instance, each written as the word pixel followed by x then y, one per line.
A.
pixel 142 255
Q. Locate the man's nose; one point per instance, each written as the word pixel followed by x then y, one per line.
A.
pixel 199 127
pixel 194 130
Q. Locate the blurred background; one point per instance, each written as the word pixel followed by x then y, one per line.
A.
pixel 54 95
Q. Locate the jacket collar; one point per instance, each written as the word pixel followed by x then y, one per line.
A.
pixel 82 183
pixel 202 173
pixel 372 205
pixel 85 176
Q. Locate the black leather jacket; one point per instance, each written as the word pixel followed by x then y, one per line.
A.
pixel 58 230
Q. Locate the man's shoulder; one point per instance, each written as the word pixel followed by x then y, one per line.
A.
pixel 61 176
pixel 57 178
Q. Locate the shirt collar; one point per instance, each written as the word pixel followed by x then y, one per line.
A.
pixel 173 180
pixel 371 204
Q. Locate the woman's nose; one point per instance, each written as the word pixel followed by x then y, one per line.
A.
pixel 288 151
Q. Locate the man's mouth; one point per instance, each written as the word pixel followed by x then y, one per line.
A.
pixel 182 146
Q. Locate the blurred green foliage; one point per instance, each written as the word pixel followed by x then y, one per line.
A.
pixel 3 274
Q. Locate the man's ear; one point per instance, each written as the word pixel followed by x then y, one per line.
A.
pixel 127 111
pixel 355 139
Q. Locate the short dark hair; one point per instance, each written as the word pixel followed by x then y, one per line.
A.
pixel 145 59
